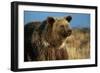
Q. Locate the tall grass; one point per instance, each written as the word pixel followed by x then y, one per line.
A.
pixel 78 44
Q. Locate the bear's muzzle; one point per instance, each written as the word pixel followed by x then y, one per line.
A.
pixel 66 33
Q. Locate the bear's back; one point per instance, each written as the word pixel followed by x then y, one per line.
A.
pixel 30 27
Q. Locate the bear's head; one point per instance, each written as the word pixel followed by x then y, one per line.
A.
pixel 60 27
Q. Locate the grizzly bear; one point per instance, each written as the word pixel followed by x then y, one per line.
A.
pixel 42 40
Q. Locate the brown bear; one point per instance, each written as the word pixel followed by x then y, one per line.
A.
pixel 42 40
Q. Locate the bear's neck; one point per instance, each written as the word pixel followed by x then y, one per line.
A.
pixel 52 40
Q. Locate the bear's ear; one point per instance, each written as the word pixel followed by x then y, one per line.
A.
pixel 68 18
pixel 50 20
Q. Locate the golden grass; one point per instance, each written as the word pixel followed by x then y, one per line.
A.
pixel 78 44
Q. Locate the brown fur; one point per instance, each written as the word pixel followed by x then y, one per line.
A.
pixel 46 39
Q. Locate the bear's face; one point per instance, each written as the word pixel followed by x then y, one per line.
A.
pixel 60 27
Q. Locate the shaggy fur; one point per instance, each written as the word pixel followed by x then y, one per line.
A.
pixel 42 40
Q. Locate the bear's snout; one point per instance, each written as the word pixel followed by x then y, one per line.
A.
pixel 66 33
pixel 69 32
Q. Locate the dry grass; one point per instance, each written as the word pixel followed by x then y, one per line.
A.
pixel 78 44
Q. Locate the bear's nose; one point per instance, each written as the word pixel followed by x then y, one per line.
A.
pixel 66 33
pixel 69 32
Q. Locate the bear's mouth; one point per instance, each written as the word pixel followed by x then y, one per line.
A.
pixel 66 33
